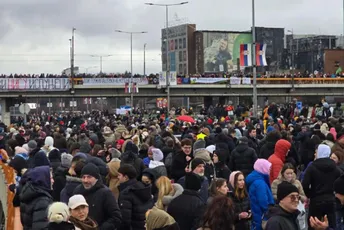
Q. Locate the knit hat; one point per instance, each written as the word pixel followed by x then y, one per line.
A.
pixel 232 177
pixel 115 153
pixel 76 201
pixel 339 185
pixel 284 189
pixel 26 147
pixel 211 149
pixel 195 162
pixel 157 154
pixel 32 144
pixel 128 170
pixel 85 147
pixel 49 141
pixel 66 160
pixel 243 140
pixel 58 212
pixel 218 130
pixel 90 169
pixel 18 163
pixel 193 181
pixel 199 144
pixel 18 150
pixel 262 166
pixel 324 151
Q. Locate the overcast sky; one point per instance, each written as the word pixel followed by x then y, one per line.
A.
pixel 34 34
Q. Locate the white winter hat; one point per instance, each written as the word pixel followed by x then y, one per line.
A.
pixel 58 212
pixel 157 154
pixel 49 141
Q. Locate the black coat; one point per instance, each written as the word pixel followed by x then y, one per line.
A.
pixel 61 226
pixel 134 200
pixel 174 226
pixel 319 179
pixel 33 207
pixel 187 209
pixel 280 219
pixel 222 171
pixel 132 159
pixel 243 159
pixel 179 164
pixel 59 182
pixel 241 205
pixel 68 191
pixel 102 205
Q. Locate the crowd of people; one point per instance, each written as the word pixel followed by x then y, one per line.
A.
pixel 129 172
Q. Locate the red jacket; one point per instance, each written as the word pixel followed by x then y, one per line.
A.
pixel 278 158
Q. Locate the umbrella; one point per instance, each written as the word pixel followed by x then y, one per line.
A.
pixel 186 118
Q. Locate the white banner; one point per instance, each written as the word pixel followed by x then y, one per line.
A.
pixel 173 78
pixel 235 81
pixel 162 79
pixel 246 81
pixel 114 81
pixel 34 84
pixel 207 80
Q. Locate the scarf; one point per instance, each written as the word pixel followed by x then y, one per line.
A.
pixel 158 218
pixel 87 224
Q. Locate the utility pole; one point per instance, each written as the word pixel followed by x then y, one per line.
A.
pixel 144 59
pixel 72 64
pixel 255 96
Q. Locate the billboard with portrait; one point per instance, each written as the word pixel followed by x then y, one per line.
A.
pixel 222 50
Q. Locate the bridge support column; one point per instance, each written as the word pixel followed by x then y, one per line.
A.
pixel 5 111
pixel 207 101
pixel 186 102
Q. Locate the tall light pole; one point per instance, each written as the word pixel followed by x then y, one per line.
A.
pixel 255 96
pixel 167 47
pixel 291 48
pixel 101 60
pixel 72 64
pixel 144 59
pixel 131 62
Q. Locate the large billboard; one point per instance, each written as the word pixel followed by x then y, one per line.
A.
pixel 222 50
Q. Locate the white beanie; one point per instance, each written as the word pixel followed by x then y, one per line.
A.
pixel 49 141
pixel 157 155
pixel 324 151
pixel 58 212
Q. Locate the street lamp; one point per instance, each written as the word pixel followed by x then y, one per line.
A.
pixel 291 47
pixel 131 61
pixel 167 63
pixel 255 96
pixel 144 59
pixel 101 60
pixel 91 67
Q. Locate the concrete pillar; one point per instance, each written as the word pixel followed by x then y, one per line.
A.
pixel 186 102
pixel 207 101
pixel 5 112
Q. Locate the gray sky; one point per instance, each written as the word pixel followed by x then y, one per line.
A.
pixel 34 34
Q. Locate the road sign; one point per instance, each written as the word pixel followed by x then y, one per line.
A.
pixel 49 104
pixel 72 104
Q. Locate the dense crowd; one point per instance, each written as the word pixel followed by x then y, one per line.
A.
pixel 105 171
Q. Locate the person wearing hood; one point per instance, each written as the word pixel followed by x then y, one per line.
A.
pixel 54 159
pixel 149 178
pixel 130 156
pixel 220 159
pixel 197 167
pixel 48 145
pixel 268 144
pixel 35 198
pixel 243 157
pixel 284 215
pixel 288 174
pixel 58 216
pixel 112 177
pixel 318 185
pixel 156 164
pixel 157 219
pixel 72 179
pixel 277 159
pixel 104 209
pixel 259 191
pixel 135 199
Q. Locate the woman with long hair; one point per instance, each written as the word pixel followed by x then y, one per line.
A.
pixel 219 215
pixel 218 187
pixel 167 192
pixel 241 200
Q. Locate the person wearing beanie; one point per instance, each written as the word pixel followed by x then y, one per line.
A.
pixel 54 157
pixel 204 155
pixel 242 157
pixel 317 184
pixel 277 159
pixel 58 216
pixel 156 164
pixel 130 156
pixel 135 198
pixel 199 144
pixel 189 207
pixel 284 215
pixel 32 144
pixel 197 167
pixel 260 194
pixel 97 194
pixel 35 198
pixel 69 179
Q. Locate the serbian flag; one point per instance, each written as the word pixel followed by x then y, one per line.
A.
pixel 126 88
pixel 245 55
pixel 135 88
pixel 260 54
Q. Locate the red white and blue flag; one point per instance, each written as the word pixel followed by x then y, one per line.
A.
pixel 260 55
pixel 245 55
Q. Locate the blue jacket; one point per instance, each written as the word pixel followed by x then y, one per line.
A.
pixel 260 196
pixel 204 188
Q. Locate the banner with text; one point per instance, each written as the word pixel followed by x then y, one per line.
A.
pixel 34 84
pixel 207 80
pixel 114 81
